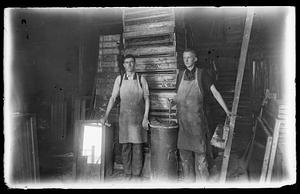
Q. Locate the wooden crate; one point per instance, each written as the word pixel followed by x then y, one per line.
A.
pixel 159 99
pixel 109 58
pixel 114 37
pixel 156 64
pixel 144 51
pixel 109 51
pixel 161 80
pixel 149 32
pixel 149 26
pixel 139 13
pixel 153 40
pixel 109 44
pixel 153 18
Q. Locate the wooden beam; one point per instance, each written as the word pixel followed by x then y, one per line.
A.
pixel 242 61
pixel 274 148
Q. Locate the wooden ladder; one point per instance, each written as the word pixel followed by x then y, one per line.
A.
pixel 238 85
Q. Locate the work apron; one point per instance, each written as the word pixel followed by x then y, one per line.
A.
pixel 192 121
pixel 131 112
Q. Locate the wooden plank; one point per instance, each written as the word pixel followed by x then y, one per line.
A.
pixel 155 60
pixel 266 159
pixel 34 148
pixel 108 58
pixel 159 40
pixel 109 69
pixel 146 17
pixel 161 80
pixel 149 26
pixel 156 67
pixel 274 149
pixel 102 167
pixel 149 32
pixel 112 37
pixel 108 64
pixel 109 45
pixel 159 18
pixel 147 13
pixel 150 50
pixel 242 61
pixel 27 150
pixel 136 10
pixel 105 51
pixel 159 100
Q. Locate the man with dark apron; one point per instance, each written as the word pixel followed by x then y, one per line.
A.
pixel 193 126
pixel 133 119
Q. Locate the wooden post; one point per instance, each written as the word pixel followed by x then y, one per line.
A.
pixel 102 165
pixel 238 85
pixel 267 151
pixel 273 149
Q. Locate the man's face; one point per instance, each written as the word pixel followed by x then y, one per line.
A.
pixel 129 64
pixel 189 59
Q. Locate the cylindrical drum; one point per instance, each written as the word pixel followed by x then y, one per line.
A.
pixel 164 161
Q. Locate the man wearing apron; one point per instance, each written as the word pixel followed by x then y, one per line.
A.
pixel 133 119
pixel 193 126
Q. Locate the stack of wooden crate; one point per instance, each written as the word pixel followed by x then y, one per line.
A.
pixel 107 71
pixel 156 37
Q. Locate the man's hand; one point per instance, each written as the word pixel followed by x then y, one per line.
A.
pixel 229 114
pixel 145 123
pixel 103 120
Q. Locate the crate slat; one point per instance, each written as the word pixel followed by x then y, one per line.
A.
pixel 160 40
pixel 149 26
pixel 113 51
pixel 159 100
pixel 161 80
pixel 151 50
pixel 108 58
pixel 149 12
pixel 149 32
pixel 108 44
pixel 115 37
pixel 152 19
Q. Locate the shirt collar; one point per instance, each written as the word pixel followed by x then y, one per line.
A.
pixel 191 71
pixel 190 74
pixel 126 76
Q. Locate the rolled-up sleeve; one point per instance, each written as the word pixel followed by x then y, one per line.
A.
pixel 145 86
pixel 116 90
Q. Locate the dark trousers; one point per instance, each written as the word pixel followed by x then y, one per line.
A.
pixel 194 166
pixel 132 156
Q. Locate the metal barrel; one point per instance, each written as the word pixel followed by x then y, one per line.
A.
pixel 164 161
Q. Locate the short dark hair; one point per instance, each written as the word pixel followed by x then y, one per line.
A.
pixel 190 50
pixel 129 56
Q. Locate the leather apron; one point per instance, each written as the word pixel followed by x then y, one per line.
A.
pixel 192 121
pixel 132 109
